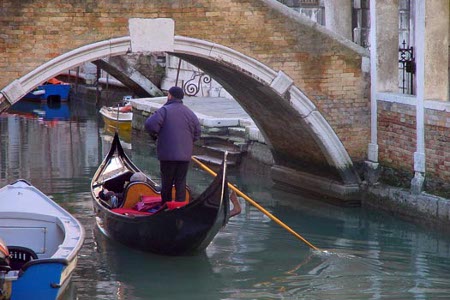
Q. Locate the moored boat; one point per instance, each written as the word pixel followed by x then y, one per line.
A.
pixel 174 228
pixel 42 240
pixel 52 90
pixel 118 117
pixel 115 119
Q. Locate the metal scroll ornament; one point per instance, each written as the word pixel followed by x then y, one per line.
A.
pixel 193 85
pixel 408 67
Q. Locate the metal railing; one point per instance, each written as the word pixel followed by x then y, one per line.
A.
pixel 407 65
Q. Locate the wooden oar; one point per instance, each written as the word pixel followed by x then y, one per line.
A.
pixel 259 207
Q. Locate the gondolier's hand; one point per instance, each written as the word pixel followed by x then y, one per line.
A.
pixel 236 205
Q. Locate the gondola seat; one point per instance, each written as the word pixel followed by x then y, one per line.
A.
pixel 135 191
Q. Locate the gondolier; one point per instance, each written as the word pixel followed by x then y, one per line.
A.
pixel 176 128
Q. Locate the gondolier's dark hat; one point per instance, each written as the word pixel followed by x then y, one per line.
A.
pixel 176 92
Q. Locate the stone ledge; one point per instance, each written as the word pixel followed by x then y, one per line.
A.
pixel 423 208
pixel 343 194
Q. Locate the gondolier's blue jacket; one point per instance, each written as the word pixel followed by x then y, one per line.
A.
pixel 177 128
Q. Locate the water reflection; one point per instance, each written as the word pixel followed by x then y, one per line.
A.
pixel 46 151
pixel 46 111
pixel 125 135
pixel 158 277
pixel 369 255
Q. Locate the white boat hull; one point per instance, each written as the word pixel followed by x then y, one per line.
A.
pixel 112 114
pixel 31 221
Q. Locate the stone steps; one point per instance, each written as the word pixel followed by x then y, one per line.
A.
pixel 211 150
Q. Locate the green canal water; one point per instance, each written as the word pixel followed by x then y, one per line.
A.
pixel 369 255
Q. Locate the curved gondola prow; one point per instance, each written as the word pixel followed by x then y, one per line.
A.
pixel 115 147
pixel 115 150
pixel 214 204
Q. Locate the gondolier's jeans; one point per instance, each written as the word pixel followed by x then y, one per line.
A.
pixel 173 173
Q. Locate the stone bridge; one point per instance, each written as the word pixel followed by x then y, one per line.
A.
pixel 306 88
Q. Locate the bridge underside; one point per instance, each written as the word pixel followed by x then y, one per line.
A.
pixel 299 159
pixel 125 69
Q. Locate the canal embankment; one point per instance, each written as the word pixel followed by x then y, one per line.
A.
pixel 226 126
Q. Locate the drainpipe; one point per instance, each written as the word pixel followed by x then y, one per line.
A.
pixel 372 171
pixel 419 156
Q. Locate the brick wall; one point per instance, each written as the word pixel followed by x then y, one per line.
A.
pixel 397 144
pixel 437 144
pixel 327 71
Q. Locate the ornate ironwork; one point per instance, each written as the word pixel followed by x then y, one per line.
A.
pixel 193 85
pixel 408 65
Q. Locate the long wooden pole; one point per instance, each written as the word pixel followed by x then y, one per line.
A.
pixel 259 207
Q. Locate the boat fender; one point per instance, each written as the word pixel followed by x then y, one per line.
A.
pixel 4 256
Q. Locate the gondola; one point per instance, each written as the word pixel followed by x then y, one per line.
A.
pixel 169 229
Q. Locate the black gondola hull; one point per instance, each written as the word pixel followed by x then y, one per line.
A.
pixel 182 231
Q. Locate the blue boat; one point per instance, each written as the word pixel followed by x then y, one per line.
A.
pixel 40 241
pixel 52 90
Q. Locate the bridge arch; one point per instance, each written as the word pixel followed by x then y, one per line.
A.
pixel 309 146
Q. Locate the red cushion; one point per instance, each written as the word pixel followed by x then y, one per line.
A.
pixel 150 199
pixel 175 204
pixel 130 212
pixel 147 203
